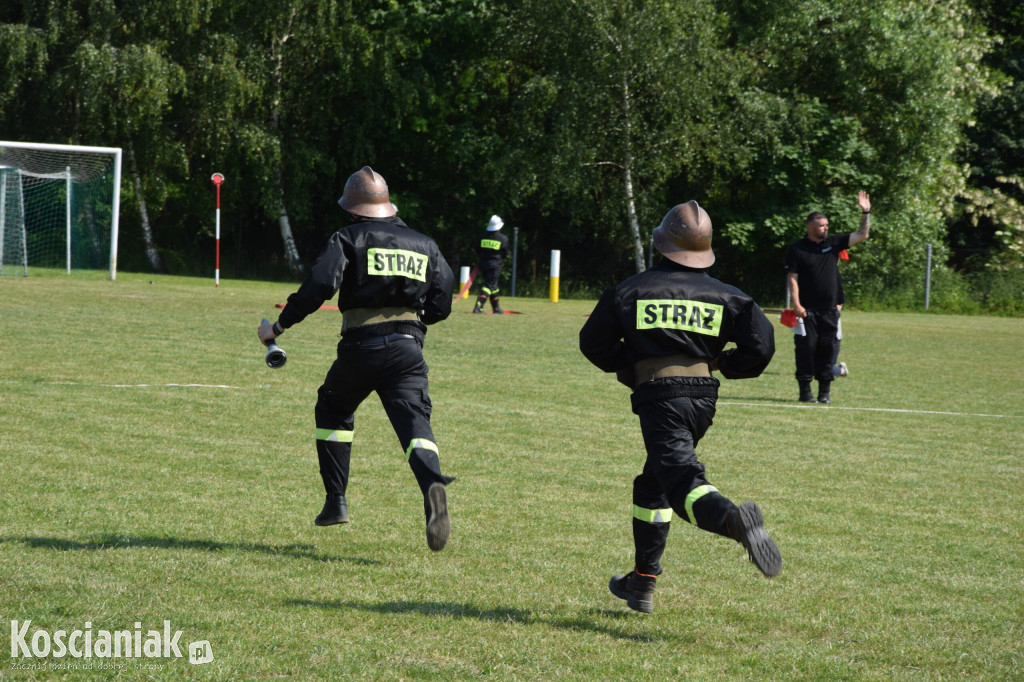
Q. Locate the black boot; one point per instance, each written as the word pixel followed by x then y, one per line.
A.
pixel 636 589
pixel 823 392
pixel 438 522
pixel 746 526
pixel 805 392
pixel 335 511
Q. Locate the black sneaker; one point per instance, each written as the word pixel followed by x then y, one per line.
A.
pixel 637 590
pixel 824 398
pixel 335 511
pixel 747 528
pixel 807 398
pixel 499 311
pixel 438 523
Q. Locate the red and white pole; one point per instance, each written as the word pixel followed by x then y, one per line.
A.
pixel 218 180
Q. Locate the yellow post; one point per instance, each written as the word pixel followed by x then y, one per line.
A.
pixel 556 257
pixel 463 278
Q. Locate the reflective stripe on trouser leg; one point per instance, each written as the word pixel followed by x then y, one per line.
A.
pixel 336 436
pixel 651 522
pixel 425 463
pixel 421 443
pixel 426 466
pixel 693 496
pixel 708 509
pixel 334 452
pixel 652 515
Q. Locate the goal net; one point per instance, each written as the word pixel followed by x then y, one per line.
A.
pixel 59 207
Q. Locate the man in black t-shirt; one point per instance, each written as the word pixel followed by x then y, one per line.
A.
pixel 815 289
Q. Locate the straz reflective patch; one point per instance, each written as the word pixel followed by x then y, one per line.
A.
pixel 690 316
pixel 396 263
pixel 490 244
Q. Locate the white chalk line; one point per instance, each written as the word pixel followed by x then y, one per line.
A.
pixel 173 385
pixel 77 383
pixel 873 409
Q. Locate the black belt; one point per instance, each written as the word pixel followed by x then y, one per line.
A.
pixel 378 339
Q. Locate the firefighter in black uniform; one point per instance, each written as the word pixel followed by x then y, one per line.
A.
pixel 393 281
pixel 815 289
pixel 492 251
pixel 663 332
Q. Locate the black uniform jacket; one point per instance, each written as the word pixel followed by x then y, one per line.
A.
pixel 492 248
pixel 672 309
pixel 376 263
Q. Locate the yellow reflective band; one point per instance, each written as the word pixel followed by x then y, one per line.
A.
pixel 485 290
pixel 421 443
pixel 695 495
pixel 396 263
pixel 334 436
pixel 652 515
pixel 490 244
pixel 690 316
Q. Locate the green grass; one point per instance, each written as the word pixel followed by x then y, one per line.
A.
pixel 128 499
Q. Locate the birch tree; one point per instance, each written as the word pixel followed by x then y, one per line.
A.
pixel 634 90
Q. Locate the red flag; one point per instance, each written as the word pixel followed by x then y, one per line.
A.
pixel 843 255
pixel 789 318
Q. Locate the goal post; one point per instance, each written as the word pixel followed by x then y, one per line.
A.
pixel 59 206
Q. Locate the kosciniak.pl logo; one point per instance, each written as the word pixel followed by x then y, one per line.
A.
pixel 89 643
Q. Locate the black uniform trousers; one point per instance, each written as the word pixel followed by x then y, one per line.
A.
pixel 816 351
pixel 393 366
pixel 673 480
pixel 490 272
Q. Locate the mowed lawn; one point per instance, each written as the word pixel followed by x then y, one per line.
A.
pixel 154 469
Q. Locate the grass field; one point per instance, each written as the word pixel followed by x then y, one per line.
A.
pixel 153 468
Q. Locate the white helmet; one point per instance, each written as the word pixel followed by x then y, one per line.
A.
pixel 495 224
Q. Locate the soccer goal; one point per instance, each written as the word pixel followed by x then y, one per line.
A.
pixel 59 207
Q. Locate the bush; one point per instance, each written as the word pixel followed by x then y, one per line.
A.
pixel 991 292
pixel 1000 291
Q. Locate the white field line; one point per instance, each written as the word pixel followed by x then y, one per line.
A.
pixel 75 383
pixel 872 409
pixel 176 385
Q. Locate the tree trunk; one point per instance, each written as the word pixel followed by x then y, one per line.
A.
pixel 147 232
pixel 634 225
pixel 288 239
pixel 292 253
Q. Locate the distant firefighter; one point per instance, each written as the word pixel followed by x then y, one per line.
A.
pixel 492 250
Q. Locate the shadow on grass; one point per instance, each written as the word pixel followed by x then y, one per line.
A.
pixel 498 615
pixel 295 551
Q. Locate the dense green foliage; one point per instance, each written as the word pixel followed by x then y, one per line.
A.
pixel 579 121
pixel 989 227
